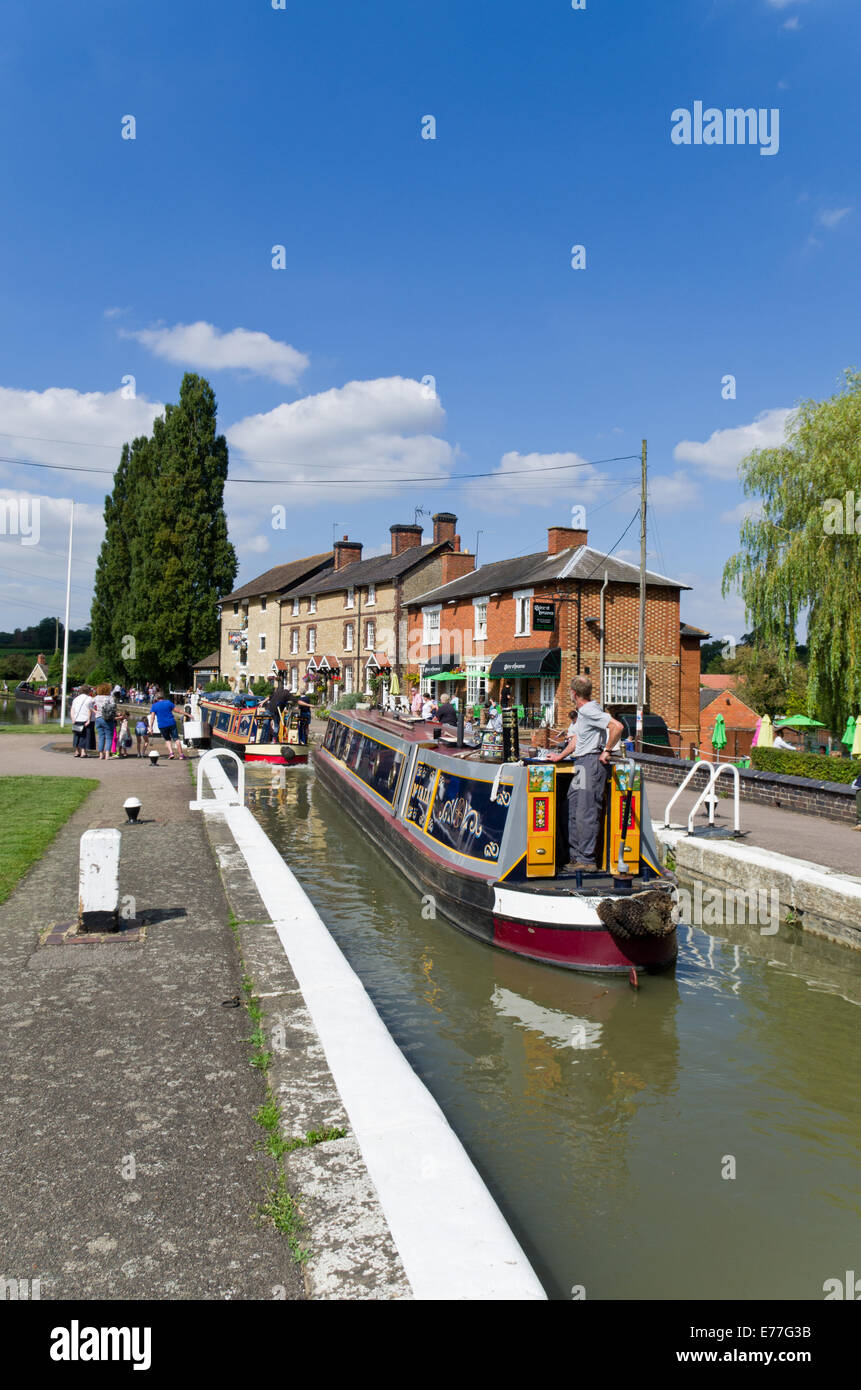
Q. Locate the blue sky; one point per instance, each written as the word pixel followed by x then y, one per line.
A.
pixel 410 257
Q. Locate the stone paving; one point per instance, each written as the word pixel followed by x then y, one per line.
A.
pixel 129 1167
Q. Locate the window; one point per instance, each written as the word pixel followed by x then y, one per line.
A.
pixel 372 594
pixel 480 606
pixel 312 604
pixel 294 679
pixel 262 642
pixel 294 641
pixel 370 634
pixel 350 599
pixel 348 637
pixel 523 613
pixel 430 619
pixel 296 607
pixel 263 603
pixel 475 684
pixel 348 679
pixel 236 607
pixel 312 639
pixel 620 684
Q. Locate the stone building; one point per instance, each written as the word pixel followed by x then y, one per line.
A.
pixel 251 621
pixel 342 628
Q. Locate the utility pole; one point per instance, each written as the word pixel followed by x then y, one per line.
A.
pixel 56 634
pixel 641 629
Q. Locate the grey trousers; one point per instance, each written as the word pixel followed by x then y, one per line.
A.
pixel 585 805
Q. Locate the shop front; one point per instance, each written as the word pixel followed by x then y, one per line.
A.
pixel 529 680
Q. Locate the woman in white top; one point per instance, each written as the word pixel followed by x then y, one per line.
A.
pixel 427 708
pixel 81 714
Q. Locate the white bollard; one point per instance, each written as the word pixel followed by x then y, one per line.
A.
pixel 99 881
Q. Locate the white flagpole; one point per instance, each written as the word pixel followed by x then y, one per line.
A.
pixel 66 629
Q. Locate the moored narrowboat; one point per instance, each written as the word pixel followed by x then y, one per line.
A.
pixel 485 837
pixel 251 732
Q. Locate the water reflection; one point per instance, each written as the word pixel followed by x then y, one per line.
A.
pixel 600 1115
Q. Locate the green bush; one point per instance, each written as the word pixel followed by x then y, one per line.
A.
pixel 348 701
pixel 811 765
pixel 261 688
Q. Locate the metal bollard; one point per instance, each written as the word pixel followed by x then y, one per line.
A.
pixel 99 881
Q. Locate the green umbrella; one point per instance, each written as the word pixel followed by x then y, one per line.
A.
pixel 719 734
pixel 849 736
pixel 798 721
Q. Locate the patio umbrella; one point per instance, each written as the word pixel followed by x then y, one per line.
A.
pixel 394 684
pixel 719 734
pixel 856 742
pixel 755 740
pixel 849 733
pixel 766 733
pixel 798 721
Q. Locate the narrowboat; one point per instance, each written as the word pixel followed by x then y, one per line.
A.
pixel 45 695
pixel 484 837
pixel 249 731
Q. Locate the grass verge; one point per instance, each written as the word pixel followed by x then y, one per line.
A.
pixel 48 730
pixel 278 1206
pixel 32 810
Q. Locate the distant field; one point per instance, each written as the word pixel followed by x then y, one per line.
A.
pixel 32 809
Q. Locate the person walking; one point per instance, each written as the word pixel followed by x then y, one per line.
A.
pixel 81 715
pixel 165 718
pixel 105 720
pixel 595 733
pixel 142 736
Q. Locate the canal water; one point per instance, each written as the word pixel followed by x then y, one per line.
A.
pixel 606 1121
pixel 13 712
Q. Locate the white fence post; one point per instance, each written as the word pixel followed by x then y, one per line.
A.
pixel 99 881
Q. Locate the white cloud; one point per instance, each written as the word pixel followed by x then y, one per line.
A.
pixel 674 492
pixel 203 346
pixel 554 481
pixel 360 436
pixel 114 313
pixel 791 24
pixel 831 216
pixel 736 515
pixel 61 425
pixel 720 455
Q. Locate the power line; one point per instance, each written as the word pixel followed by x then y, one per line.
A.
pixel 344 482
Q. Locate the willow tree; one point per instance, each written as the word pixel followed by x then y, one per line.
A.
pixel 801 552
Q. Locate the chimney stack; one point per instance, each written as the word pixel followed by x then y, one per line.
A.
pixel 455 564
pixel 347 552
pixel 404 538
pixel 444 524
pixel 563 537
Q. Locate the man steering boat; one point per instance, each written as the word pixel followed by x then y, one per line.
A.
pixel 595 734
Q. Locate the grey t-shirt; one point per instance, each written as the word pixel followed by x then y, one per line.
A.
pixel 592 721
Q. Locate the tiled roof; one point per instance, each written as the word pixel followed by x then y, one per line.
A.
pixel 376 570
pixel 578 562
pixel 280 577
pixel 208 662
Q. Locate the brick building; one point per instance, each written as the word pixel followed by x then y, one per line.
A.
pixel 739 721
pixel 536 621
pixel 349 624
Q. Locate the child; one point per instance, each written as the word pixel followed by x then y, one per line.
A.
pixel 142 735
pixel 124 741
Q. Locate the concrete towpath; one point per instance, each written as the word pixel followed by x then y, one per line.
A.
pixel 823 842
pixel 129 1166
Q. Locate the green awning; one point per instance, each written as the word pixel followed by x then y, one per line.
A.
pixel 447 676
pixel 537 661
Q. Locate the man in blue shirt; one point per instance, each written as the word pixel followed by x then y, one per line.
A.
pixel 163 710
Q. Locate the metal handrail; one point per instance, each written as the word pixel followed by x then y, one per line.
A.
pixel 701 762
pixel 708 791
pixel 237 799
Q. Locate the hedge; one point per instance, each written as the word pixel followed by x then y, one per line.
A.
pixel 811 765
